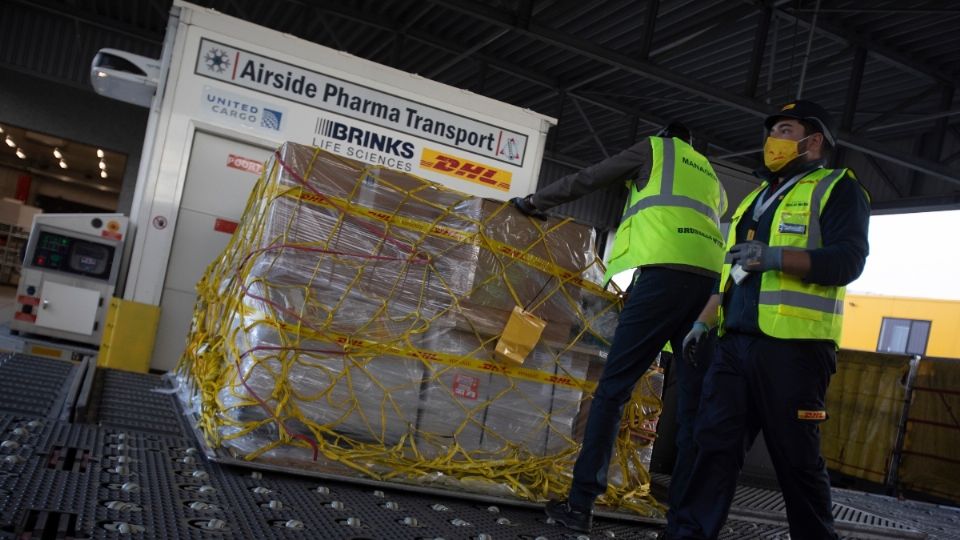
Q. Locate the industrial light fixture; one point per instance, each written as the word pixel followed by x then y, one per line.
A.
pixel 99 153
pixel 10 142
pixel 20 154
pixel 103 174
pixel 1 129
pixel 63 164
pixel 57 154
pixel 103 165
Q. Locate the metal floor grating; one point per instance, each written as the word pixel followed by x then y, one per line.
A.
pixel 127 400
pixel 938 521
pixel 135 471
pixel 83 481
pixel 33 386
pixel 767 505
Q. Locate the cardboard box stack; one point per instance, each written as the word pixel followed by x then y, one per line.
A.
pixel 356 309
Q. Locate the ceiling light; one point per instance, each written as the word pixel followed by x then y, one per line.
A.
pixel 10 142
pixel 103 174
pixel 57 154
pixel 63 164
pixel 20 154
pixel 102 165
pixel 1 129
pixel 99 153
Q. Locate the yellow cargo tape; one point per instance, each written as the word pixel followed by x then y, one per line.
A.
pixel 369 347
pixel 475 238
pixel 534 261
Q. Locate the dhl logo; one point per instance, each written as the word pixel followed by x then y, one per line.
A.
pixel 811 415
pixel 458 167
pixel 429 356
pixel 496 368
pixel 342 340
pixel 556 379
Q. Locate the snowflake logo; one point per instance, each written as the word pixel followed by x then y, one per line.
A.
pixel 217 60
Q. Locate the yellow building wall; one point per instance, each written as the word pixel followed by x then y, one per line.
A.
pixel 863 315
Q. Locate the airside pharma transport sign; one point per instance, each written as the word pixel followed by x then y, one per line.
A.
pixel 266 75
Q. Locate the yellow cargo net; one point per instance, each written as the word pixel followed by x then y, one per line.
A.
pixel 348 327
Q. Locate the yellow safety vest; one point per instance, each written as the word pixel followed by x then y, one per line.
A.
pixel 788 307
pixel 675 218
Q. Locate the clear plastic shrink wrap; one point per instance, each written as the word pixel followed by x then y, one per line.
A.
pixel 349 328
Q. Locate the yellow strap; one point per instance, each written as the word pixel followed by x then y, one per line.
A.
pixel 355 345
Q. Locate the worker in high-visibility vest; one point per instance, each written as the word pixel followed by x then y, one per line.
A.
pixel 669 235
pixel 795 243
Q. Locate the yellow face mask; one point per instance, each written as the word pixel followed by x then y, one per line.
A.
pixel 778 152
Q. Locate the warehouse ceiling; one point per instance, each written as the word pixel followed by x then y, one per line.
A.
pixel 613 71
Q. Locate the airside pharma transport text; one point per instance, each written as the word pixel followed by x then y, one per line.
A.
pixel 332 92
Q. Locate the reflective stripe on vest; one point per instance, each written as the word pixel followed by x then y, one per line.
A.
pixel 666 197
pixel 802 300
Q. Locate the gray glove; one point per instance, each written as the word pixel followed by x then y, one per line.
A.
pixel 526 207
pixel 756 256
pixel 692 341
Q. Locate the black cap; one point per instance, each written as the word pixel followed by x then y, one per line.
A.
pixel 807 111
pixel 675 129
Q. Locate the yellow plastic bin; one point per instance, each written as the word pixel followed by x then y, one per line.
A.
pixel 128 336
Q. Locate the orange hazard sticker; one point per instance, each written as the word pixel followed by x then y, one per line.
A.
pixel 811 415
pixel 471 171
pixel 225 226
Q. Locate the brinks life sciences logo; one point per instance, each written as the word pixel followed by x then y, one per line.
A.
pixel 364 144
pixel 236 109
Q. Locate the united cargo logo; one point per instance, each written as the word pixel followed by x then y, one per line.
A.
pixel 236 109
pixel 458 167
pixel 363 144
pixel 362 103
pixel 271 119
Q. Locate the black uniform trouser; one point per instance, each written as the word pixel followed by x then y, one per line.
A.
pixel 761 383
pixel 662 306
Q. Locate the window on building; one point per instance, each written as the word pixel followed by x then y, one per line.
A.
pixel 903 336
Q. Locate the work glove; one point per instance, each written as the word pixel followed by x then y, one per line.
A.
pixel 526 207
pixel 692 341
pixel 756 256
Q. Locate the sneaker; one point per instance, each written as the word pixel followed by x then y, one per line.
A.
pixel 562 513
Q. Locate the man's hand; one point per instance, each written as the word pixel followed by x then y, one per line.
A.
pixel 526 207
pixel 756 256
pixel 692 341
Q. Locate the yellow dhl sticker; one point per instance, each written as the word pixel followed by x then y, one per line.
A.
pixel 811 415
pixel 471 171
